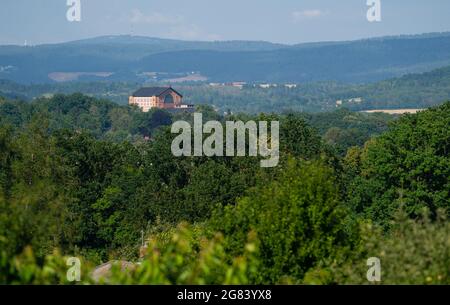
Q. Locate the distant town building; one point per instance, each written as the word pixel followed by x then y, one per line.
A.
pixel 158 97
pixel 265 86
pixel 239 85
pixel 356 100
pixel 290 86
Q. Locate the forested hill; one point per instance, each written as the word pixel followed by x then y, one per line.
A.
pixel 132 58
pixel 410 91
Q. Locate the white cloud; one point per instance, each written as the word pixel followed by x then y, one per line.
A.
pixel 154 18
pixel 170 26
pixel 190 32
pixel 307 14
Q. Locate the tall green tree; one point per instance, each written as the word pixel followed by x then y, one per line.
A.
pixel 299 220
pixel 409 165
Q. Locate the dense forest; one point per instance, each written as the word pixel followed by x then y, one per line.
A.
pixel 108 121
pixel 85 177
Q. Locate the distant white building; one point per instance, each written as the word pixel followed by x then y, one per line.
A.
pixel 239 85
pixel 356 100
pixel 290 86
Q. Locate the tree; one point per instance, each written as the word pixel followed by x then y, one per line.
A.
pixel 299 220
pixel 408 165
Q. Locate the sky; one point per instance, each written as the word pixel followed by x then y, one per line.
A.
pixel 282 21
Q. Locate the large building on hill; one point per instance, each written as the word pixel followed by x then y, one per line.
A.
pixel 158 97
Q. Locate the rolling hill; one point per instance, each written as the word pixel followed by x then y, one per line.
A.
pixel 131 58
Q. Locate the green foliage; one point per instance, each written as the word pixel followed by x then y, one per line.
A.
pixel 408 165
pixel 7 152
pixel 298 139
pixel 31 203
pixel 298 219
pixel 101 118
pixel 343 128
pixel 77 174
pixel 26 269
pixel 416 252
pixel 187 260
pixel 183 259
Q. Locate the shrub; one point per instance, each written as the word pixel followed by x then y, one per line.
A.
pixel 415 252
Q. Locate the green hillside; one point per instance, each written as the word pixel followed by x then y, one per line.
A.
pixel 129 58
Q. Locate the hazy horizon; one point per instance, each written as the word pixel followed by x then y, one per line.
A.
pixel 232 40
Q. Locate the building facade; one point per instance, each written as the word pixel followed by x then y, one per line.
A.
pixel 158 97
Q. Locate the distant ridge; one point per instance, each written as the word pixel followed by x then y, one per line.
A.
pixel 125 38
pixel 155 59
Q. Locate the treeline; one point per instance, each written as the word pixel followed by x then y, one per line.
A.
pixel 410 91
pixel 315 218
pixel 101 118
pixel 108 121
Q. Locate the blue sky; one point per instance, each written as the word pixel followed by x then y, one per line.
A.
pixel 285 21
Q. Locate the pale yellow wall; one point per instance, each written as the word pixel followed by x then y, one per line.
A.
pixel 145 103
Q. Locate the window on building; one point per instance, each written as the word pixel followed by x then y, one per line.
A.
pixel 168 99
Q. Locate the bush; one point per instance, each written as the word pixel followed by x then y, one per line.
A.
pixel 26 269
pixel 187 260
pixel 415 252
pixel 184 259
